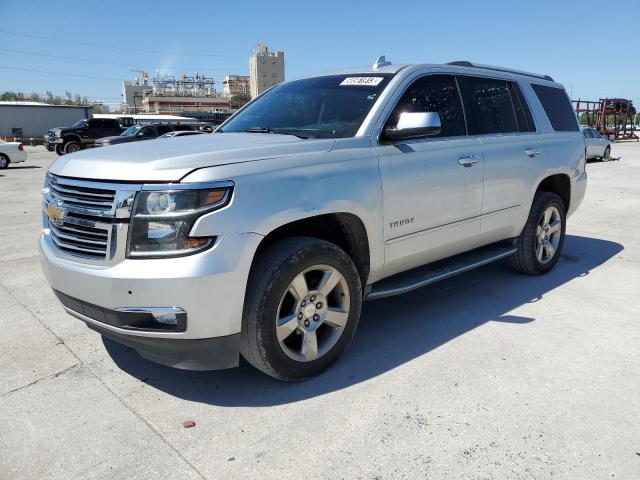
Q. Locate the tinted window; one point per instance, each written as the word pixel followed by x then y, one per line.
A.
pixel 95 123
pixel 586 133
pixel 434 93
pixel 523 114
pixel 490 109
pixel 111 124
pixel 162 129
pixel 147 132
pixel 180 128
pixel 557 107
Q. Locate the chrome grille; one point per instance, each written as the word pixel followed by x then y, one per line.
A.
pixel 79 239
pixel 74 195
pixel 87 221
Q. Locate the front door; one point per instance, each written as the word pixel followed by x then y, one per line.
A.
pixel 432 186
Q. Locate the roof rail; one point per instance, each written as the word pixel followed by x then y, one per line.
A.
pixel 466 63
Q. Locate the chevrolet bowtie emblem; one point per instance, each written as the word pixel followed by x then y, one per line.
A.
pixel 55 214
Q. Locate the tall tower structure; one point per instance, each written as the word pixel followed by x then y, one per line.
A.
pixel 266 69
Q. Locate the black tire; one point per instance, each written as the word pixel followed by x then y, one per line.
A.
pixel 49 148
pixel 607 152
pixel 525 260
pixel 60 149
pixel 72 147
pixel 269 281
pixel 4 161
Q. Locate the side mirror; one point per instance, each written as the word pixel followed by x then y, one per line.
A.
pixel 414 125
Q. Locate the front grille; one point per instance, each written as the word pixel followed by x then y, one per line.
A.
pixel 80 239
pixel 80 196
pixel 87 221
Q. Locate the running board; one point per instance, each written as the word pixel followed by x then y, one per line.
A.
pixel 434 272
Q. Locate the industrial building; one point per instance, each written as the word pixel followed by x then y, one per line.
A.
pixel 33 119
pixel 266 69
pixel 237 89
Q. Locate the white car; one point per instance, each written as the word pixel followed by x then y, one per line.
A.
pixel 597 145
pixel 181 133
pixel 11 152
pixel 264 238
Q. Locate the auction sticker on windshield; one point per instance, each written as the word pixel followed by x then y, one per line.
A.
pixel 362 81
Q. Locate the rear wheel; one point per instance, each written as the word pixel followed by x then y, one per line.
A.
pixel 302 308
pixel 4 161
pixel 540 243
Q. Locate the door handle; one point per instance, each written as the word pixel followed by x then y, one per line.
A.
pixel 469 161
pixel 532 151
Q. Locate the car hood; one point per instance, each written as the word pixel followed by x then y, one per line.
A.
pixel 169 161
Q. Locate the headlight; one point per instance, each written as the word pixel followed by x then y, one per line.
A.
pixel 57 132
pixel 162 220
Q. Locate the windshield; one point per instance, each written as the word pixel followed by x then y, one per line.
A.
pixel 320 107
pixel 79 123
pixel 131 131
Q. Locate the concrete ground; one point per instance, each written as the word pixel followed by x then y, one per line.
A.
pixel 491 375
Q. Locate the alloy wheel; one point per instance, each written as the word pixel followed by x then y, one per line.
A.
pixel 313 313
pixel 548 234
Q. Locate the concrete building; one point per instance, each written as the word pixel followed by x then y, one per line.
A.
pixel 33 119
pixel 237 89
pixel 181 105
pixel 132 94
pixel 266 69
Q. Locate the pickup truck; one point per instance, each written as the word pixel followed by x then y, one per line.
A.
pixel 81 134
pixel 264 238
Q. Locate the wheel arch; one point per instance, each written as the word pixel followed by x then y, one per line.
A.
pixel 560 184
pixel 343 229
pixel 72 137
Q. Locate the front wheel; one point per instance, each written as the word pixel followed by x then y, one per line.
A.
pixel 302 308
pixel 60 149
pixel 72 147
pixel 540 243
pixel 4 162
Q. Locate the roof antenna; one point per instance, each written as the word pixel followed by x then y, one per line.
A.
pixel 380 62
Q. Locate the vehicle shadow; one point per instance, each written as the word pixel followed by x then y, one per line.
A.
pixel 392 331
pixel 24 167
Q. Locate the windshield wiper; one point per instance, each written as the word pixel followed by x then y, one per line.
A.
pixel 275 131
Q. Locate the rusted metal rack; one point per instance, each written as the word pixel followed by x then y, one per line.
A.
pixel 612 117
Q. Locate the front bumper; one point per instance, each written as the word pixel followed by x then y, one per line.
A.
pixel 208 286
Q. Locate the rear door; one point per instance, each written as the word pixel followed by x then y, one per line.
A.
pixel 92 131
pixel 111 127
pixel 499 116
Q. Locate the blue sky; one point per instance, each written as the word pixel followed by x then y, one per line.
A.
pixel 216 38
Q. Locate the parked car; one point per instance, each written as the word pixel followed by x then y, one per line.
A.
pixel 264 238
pixel 80 135
pixel 137 133
pixel 597 145
pixel 181 133
pixel 11 152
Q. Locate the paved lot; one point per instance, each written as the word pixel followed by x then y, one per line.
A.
pixel 490 375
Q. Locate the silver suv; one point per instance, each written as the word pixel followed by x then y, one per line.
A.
pixel 264 239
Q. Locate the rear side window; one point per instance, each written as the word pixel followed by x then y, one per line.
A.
pixel 489 106
pixel 162 129
pixel 111 124
pixel 521 109
pixel 434 93
pixel 557 107
pixel 181 128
